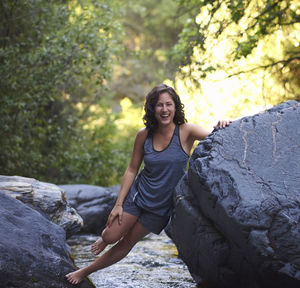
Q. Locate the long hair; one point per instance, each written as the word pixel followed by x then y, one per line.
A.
pixel 151 101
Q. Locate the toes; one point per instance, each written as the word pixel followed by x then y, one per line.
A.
pixel 69 277
pixel 94 246
pixel 95 251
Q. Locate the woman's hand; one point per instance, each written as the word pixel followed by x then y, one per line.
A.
pixel 222 123
pixel 116 212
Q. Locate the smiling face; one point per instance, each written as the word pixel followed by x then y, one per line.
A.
pixel 165 109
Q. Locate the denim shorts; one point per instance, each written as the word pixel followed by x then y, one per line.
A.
pixel 152 222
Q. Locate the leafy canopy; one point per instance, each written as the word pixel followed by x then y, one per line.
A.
pixel 54 56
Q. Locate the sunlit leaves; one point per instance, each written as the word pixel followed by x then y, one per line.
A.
pixel 254 18
pixel 246 59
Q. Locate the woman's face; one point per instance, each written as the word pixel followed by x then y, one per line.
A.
pixel 165 109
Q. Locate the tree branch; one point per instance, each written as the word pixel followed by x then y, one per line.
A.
pixel 285 62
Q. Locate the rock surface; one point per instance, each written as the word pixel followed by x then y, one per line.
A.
pixel 237 211
pixel 93 203
pixel 46 198
pixel 33 250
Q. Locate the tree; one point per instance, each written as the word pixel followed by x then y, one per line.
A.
pixel 54 56
pixel 151 29
pixel 232 38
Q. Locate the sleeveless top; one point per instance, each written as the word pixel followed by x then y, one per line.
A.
pixel 154 185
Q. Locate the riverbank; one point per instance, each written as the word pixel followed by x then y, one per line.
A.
pixel 152 263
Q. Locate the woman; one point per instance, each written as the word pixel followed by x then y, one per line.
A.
pixel 144 203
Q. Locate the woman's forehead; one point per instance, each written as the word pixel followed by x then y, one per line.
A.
pixel 165 97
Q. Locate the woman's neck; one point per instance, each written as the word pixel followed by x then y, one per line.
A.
pixel 165 129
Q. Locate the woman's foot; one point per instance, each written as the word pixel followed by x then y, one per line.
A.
pixel 98 246
pixel 75 277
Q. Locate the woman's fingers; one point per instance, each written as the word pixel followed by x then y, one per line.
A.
pixel 120 218
pixel 110 219
pixel 222 123
pixel 116 212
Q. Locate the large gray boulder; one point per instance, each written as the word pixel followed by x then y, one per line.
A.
pixel 46 198
pixel 33 250
pixel 93 203
pixel 237 211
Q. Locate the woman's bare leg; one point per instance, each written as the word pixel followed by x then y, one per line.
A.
pixel 111 235
pixel 113 255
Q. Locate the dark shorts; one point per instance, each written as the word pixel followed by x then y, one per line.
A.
pixel 152 222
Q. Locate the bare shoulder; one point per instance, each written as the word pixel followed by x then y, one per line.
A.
pixel 142 133
pixel 141 136
pixel 138 149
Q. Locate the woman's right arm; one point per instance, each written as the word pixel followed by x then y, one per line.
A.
pixel 129 175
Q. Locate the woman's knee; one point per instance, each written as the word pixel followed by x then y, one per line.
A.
pixel 109 237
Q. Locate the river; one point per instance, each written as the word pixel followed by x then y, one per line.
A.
pixel 152 263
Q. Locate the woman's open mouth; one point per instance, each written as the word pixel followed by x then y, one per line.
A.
pixel 165 116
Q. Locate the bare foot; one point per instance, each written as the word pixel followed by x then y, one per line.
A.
pixel 75 277
pixel 98 246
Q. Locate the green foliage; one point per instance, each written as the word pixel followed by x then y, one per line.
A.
pixel 101 156
pixel 243 28
pixel 266 17
pixel 54 56
pixel 151 29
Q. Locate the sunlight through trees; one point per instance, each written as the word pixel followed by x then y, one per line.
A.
pixel 74 74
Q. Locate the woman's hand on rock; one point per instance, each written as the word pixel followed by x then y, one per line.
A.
pixel 116 212
pixel 222 123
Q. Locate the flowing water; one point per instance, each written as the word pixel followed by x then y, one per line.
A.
pixel 152 263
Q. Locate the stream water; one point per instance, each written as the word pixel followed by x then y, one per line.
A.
pixel 152 263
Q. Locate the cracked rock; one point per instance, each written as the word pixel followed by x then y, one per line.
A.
pixel 237 210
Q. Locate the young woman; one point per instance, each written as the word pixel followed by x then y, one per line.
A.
pixel 144 203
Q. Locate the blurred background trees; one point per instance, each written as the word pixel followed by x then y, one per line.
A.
pixel 243 53
pixel 55 57
pixel 74 75
pixel 151 30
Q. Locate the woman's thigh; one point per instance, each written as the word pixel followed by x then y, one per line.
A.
pixel 135 234
pixel 116 230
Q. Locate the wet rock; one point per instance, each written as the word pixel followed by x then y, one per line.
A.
pixel 46 198
pixel 93 203
pixel 237 211
pixel 33 250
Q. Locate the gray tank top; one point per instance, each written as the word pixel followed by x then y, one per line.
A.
pixel 154 185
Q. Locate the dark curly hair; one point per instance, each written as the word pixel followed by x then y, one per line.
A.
pixel 151 100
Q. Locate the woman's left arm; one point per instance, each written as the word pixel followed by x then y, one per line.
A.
pixel 189 133
pixel 197 132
